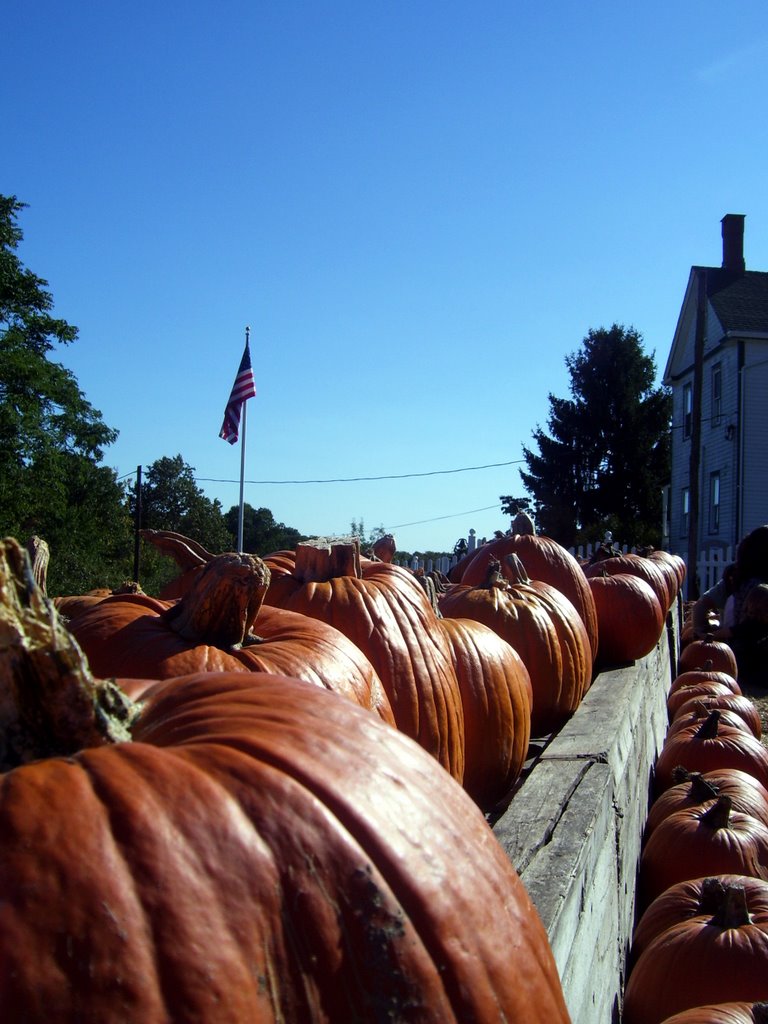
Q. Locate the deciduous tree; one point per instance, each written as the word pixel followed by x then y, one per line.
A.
pixel 51 438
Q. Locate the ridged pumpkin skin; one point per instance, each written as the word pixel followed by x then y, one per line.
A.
pixel 496 697
pixel 708 747
pixel 637 565
pixel 239 847
pixel 546 561
pixel 629 617
pixel 713 655
pixel 698 841
pixel 544 628
pixel 736 703
pixel 747 795
pixel 261 852
pixel 694 898
pixel 385 612
pixel 704 960
pixel 723 1013
pixel 132 637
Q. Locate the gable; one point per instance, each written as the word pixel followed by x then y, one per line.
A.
pixel 737 305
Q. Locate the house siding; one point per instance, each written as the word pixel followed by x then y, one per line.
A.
pixel 754 452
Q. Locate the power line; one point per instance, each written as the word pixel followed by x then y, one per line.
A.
pixel 360 479
pixel 454 515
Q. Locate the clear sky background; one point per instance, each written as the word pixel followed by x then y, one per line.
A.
pixel 420 208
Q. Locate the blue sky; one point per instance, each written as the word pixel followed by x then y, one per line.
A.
pixel 419 208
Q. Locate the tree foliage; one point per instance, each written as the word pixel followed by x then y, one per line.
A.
pixel 262 534
pixel 172 500
pixel 605 458
pixel 51 437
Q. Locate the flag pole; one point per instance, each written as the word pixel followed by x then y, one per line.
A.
pixel 242 461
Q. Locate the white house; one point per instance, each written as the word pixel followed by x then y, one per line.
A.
pixel 718 372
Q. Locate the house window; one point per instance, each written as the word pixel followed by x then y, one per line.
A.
pixel 687 410
pixel 685 512
pixel 717 395
pixel 714 502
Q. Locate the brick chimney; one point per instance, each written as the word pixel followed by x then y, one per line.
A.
pixel 733 242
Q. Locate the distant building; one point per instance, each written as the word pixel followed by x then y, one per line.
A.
pixel 718 372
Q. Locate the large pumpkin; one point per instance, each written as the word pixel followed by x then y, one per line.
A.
pixel 710 839
pixel 261 851
pixel 496 699
pixel 629 617
pixel 706 959
pixel 543 627
pixel 544 560
pixel 209 630
pixel 637 565
pixel 695 898
pixel 708 747
pixel 385 612
pixel 739 1012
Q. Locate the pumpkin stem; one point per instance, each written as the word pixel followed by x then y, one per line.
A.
pixel 50 704
pixel 39 556
pixel 184 551
pixel 494 576
pixel 709 729
pixel 732 911
pixel 719 814
pixel 319 563
pixel 681 774
pixel 711 895
pixel 384 548
pixel 760 1013
pixel 428 585
pixel 222 602
pixel 523 524
pixel 516 570
pixel 701 789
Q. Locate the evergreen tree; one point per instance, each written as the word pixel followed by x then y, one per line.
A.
pixel 606 456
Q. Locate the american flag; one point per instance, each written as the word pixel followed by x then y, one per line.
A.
pixel 243 389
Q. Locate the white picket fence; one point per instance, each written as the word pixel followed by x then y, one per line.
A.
pixel 709 565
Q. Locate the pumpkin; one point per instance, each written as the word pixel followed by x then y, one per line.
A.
pixel 694 789
pixel 692 898
pixel 711 839
pixel 188 555
pixel 708 747
pixel 630 619
pixel 636 565
pixel 208 630
pixel 545 561
pixel 707 959
pixel 700 653
pixel 735 703
pixel 384 611
pixel 670 563
pixel 686 695
pixel 696 712
pixel 260 851
pixel 723 1013
pixel 496 698
pixel 543 627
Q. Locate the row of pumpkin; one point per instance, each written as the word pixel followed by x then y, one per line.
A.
pixel 468 667
pixel 700 946
pixel 267 850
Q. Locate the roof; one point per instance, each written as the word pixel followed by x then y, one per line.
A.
pixel 740 301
